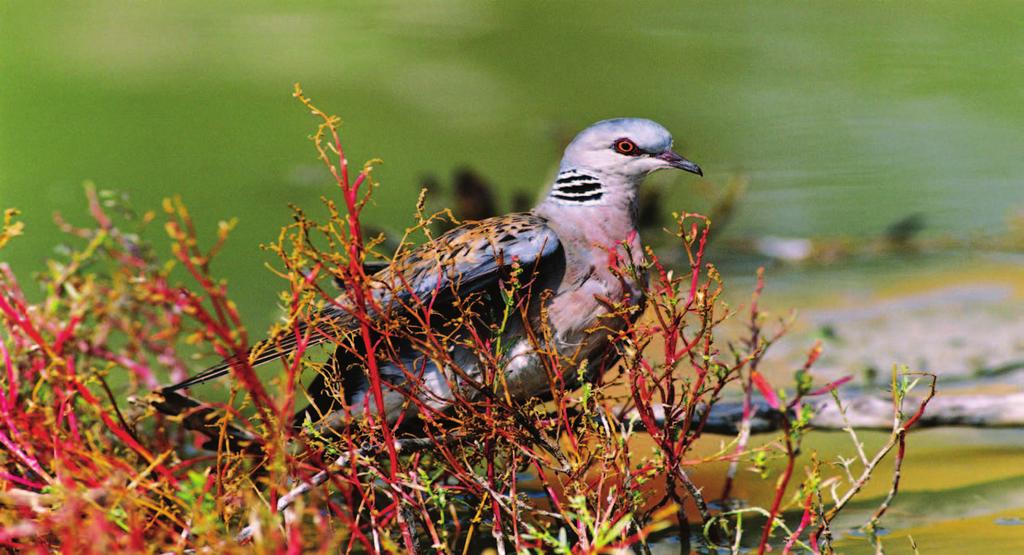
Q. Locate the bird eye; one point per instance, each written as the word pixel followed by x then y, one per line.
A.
pixel 627 147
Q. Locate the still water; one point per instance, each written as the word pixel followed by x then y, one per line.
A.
pixel 843 118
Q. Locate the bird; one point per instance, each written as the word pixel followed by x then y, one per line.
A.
pixel 562 251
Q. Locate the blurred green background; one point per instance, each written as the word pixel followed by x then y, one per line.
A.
pixel 844 118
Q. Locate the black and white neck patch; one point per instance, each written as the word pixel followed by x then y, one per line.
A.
pixel 572 186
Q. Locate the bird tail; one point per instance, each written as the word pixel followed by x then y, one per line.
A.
pixel 202 417
pixel 326 326
pixel 262 353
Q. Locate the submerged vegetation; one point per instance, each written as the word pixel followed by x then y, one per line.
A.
pixel 88 466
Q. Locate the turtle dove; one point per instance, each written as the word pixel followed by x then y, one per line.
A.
pixel 561 250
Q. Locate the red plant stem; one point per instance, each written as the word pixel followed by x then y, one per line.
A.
pixel 7 402
pixel 695 265
pixel 301 343
pixel 924 404
pixel 748 389
pixel 241 367
pixel 780 489
pixel 69 329
pixel 805 521
pixel 358 288
pixel 20 480
pixel 121 433
pixel 138 368
pixel 901 449
pixel 12 375
pixel 25 457
pixel 95 209
pixel 25 325
pixel 495 506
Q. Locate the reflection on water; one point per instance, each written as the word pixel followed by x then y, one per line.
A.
pixel 946 500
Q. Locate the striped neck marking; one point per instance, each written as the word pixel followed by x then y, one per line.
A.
pixel 575 187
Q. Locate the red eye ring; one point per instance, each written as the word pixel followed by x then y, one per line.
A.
pixel 627 147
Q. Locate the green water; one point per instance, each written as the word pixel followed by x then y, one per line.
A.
pixel 844 118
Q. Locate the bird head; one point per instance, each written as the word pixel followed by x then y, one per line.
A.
pixel 630 147
pixel 613 156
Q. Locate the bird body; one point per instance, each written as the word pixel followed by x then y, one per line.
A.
pixel 565 250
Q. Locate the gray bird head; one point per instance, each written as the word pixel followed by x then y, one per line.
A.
pixel 608 160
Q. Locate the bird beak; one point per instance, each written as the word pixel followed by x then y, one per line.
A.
pixel 676 161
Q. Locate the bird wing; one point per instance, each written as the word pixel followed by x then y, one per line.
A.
pixel 469 258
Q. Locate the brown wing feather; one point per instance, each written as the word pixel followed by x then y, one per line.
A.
pixel 460 261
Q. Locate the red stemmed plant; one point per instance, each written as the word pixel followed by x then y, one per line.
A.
pixel 82 469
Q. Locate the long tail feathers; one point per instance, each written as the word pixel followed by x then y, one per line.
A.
pixel 329 325
pixel 203 417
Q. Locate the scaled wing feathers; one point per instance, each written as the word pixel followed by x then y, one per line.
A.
pixel 466 259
